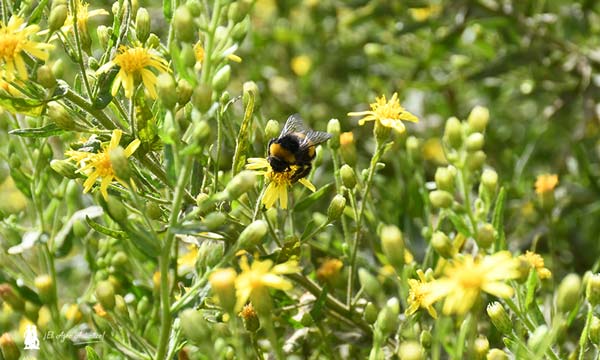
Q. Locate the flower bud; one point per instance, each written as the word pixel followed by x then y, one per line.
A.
pixel 537 337
pixel 64 168
pixel 478 118
pixel 223 284
pixel 105 293
pixel 119 259
pixel 387 320
pixel 183 23
pixel 9 348
pixel 143 306
pixel 440 199
pixel 120 164
pixel 240 184
pixel 202 97
pixel 333 128
pixel 45 287
pixel 499 317
pixel 497 354
pixel 221 78
pixel 594 333
pixel 250 318
pixel 475 160
pixel 272 129
pixel 489 180
pixel 9 296
pixel 381 132
pixel 60 116
pixel 238 10
pixel 103 33
pixel 250 89
pixel 370 313
pixel 214 220
pixel 481 346
pixel 336 207
pixel 204 203
pixel 73 314
pixel 453 132
pixel 568 293
pixel 121 307
pixel 194 325
pixel 369 283
pixel 486 235
pixel 58 68
pixel 84 38
pixel 57 18
pixel 592 291
pixel 411 350
pixel 142 25
pixel 166 89
pixel 116 209
pixel 392 244
pixel 153 41
pixel 425 339
pixel 442 244
pixel 444 179
pixel 45 76
pixel 475 142
pixel 253 234
pixel 348 176
pixel 31 311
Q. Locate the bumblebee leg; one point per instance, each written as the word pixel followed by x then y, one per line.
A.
pixel 302 172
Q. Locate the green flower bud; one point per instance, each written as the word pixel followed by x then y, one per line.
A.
pixel 486 235
pixel 272 129
pixel 143 306
pixel 370 313
pixel 45 77
pixel 489 180
pixel 119 259
pixel 120 163
pixel 237 11
pixel 183 23
pixel 594 333
pixel 499 317
pixel 333 128
pixel 202 97
pixel 103 33
pixel 121 307
pixel 336 207
pixel 251 89
pixel 221 78
pixel 222 282
pixel 253 234
pixel 239 31
pixel 214 220
pixel 195 7
pixel 387 320
pixel 444 179
pixel 497 354
pixel 411 350
pixel 475 160
pixel 381 132
pixel 194 325
pixel 166 89
pixel 442 244
pixel 568 293
pixel 31 311
pixel 369 283
pixel 188 55
pixel 392 244
pixel 60 116
pixel 478 118
pixel 153 41
pixel 441 199
pixel 45 288
pixel 240 184
pixel 58 68
pixel 105 294
pixel 204 203
pixel 85 39
pixel 412 147
pixel 475 142
pixel 537 337
pixel 9 348
pixel 64 168
pixel 481 347
pixel 373 49
pixel 250 318
pixel 453 134
pixel 57 18
pixel 426 339
pixel 142 25
pixel 116 209
pixel 93 63
pixel 9 296
pixel 592 291
pixel 348 176
pixel 225 97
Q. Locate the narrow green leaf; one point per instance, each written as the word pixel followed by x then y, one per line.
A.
pixel 498 219
pixel 317 311
pixel 312 198
pixel 119 235
pixel 459 223
pixel 241 147
pixel 532 281
pixel 91 353
pixel 41 132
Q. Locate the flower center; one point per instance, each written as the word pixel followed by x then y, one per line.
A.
pixel 470 278
pixel 133 60
pixel 9 46
pixel 103 165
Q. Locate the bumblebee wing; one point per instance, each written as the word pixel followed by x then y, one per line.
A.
pixel 294 124
pixel 315 138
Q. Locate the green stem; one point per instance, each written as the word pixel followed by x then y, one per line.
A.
pixel 210 39
pixel 584 333
pixel 165 258
pixel 87 107
pixel 74 9
pixel 466 193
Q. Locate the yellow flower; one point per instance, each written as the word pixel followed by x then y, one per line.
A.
pixel 424 13
pixel 98 165
pixel 535 261
pixel 13 41
pixel 388 113
pixel 465 278
pixel 329 270
pixel 186 262
pixel 254 280
pixel 278 182
pixel 301 64
pixel 134 63
pixel 417 294
pixel 82 18
pixel 200 53
pixel 346 138
pixel 546 183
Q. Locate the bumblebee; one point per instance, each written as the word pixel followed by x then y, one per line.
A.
pixel 294 149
